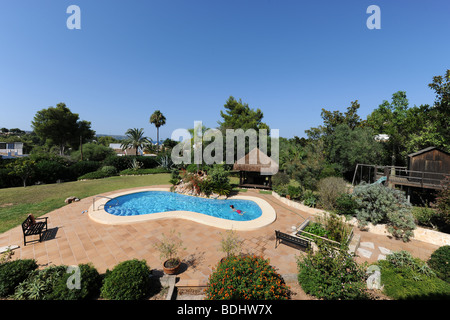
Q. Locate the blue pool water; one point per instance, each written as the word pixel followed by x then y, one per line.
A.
pixel 162 201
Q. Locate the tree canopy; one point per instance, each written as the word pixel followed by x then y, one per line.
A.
pixel 158 119
pixel 239 115
pixel 59 126
pixel 135 139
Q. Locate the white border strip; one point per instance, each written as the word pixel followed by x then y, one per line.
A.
pixel 267 217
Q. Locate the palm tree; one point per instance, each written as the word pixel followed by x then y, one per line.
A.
pixel 135 139
pixel 158 119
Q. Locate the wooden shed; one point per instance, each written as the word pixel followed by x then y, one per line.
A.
pixel 256 170
pixel 429 166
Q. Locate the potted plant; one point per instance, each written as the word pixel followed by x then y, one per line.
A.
pixel 169 248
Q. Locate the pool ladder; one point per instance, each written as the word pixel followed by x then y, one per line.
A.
pixel 93 201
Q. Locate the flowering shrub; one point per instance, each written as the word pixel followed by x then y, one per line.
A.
pixel 246 278
pixel 332 274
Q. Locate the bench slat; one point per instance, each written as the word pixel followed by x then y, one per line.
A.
pixel 29 228
pixel 280 236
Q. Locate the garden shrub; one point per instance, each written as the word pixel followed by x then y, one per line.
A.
pixel 90 284
pixel 129 280
pixel 82 167
pixel 120 163
pixel 40 284
pixel 14 272
pixel 346 205
pixel 310 198
pixel 376 201
pixel 192 168
pixel 401 224
pixel 439 262
pixel 280 178
pixel 149 162
pixel 175 177
pixel 246 278
pixel 332 274
pixel 406 277
pixel 99 174
pixel 109 170
pixel 281 189
pixel 50 171
pixel 206 186
pixel 330 189
pixel 443 206
pixel 336 227
pixel 294 192
pixel 143 171
pixel 219 179
pixel 426 216
pixel 9 179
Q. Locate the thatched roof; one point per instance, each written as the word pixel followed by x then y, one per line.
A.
pixel 256 161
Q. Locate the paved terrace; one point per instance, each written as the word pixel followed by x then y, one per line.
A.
pixel 74 238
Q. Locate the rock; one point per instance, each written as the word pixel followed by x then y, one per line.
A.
pixel 71 199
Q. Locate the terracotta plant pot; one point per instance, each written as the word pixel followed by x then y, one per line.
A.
pixel 171 268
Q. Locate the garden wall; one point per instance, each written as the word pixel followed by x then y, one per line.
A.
pixel 421 234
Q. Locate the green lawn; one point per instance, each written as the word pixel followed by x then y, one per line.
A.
pixel 17 203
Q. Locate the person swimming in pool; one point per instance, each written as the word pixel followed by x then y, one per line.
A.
pixel 236 210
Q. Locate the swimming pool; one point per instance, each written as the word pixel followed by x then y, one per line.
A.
pixel 252 219
pixel 149 202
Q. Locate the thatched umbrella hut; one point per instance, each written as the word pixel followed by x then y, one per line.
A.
pixel 256 170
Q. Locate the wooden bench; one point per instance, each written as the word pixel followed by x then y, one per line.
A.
pixel 284 237
pixel 31 227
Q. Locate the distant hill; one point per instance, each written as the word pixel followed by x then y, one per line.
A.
pixel 118 137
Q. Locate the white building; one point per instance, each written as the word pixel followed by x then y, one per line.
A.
pixel 117 147
pixel 11 149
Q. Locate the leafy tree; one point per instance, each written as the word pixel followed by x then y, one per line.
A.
pixel 310 168
pixel 106 140
pixel 158 119
pixel 93 152
pixel 291 156
pixel 440 111
pixel 22 167
pixel 349 147
pixel 169 143
pixel 331 119
pixel 135 139
pixel 59 126
pixel 239 115
pixel 390 118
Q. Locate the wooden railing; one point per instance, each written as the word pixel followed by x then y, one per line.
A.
pixel 399 176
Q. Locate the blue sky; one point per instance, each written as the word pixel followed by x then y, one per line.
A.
pixel 186 57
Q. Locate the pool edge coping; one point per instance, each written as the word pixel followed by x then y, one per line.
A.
pixel 267 217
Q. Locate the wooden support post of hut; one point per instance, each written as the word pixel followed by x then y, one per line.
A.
pixel 256 170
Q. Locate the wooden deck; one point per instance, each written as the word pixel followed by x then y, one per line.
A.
pixel 400 176
pixel 413 182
